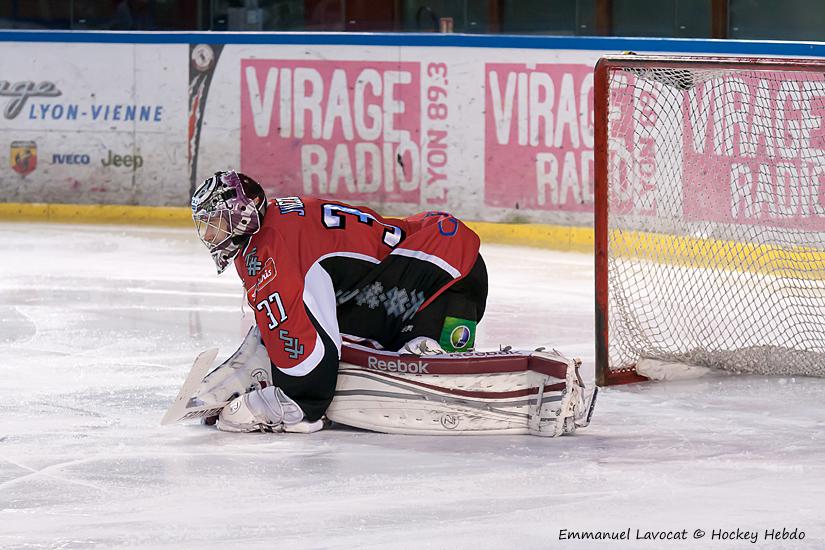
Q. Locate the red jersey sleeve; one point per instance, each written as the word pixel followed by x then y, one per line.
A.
pixel 442 239
pixel 274 290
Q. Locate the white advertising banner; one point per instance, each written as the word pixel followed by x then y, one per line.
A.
pixel 82 123
pixel 488 133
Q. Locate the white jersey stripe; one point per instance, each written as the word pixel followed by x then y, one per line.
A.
pixel 319 298
pixel 428 258
pixel 354 255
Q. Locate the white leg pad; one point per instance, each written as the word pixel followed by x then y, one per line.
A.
pixel 521 402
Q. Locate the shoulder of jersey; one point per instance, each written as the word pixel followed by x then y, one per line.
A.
pixel 289 210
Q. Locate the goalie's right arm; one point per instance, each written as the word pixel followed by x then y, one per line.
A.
pixel 296 317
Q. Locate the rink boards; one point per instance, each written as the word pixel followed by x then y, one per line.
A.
pixel 492 128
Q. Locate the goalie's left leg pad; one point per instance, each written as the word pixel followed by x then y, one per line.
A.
pixel 506 392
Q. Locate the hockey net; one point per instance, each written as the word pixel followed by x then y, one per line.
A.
pixel 710 215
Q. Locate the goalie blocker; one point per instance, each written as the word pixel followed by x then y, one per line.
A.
pixel 501 392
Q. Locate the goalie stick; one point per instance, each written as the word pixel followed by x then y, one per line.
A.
pixel 185 406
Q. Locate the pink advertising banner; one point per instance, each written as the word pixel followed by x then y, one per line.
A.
pixel 349 129
pixel 754 151
pixel 635 145
pixel 539 136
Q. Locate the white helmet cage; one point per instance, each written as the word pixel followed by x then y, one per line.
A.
pixel 227 209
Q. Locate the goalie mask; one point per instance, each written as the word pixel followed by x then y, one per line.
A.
pixel 227 209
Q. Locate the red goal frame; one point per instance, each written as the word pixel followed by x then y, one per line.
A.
pixel 601 82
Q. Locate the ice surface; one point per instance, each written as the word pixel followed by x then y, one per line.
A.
pixel 99 325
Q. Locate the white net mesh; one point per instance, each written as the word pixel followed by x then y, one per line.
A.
pixel 716 218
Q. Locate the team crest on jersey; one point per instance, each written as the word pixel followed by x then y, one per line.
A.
pixel 253 264
pixel 288 205
pixel 292 346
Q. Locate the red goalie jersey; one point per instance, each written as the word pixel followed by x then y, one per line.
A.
pixel 318 269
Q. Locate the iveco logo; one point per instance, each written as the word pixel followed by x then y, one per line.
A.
pixel 70 158
pixel 411 367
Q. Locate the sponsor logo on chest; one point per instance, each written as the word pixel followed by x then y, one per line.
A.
pixel 268 273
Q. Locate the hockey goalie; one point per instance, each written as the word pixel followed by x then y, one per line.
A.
pixel 365 321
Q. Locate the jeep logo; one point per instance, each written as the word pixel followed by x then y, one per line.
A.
pixel 130 161
pixel 411 367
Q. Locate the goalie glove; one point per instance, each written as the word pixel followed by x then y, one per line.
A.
pixel 422 346
pixel 266 410
pixel 247 369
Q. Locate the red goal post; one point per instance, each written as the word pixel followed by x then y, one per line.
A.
pixel 709 214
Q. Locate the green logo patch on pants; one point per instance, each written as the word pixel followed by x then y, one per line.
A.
pixel 458 334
